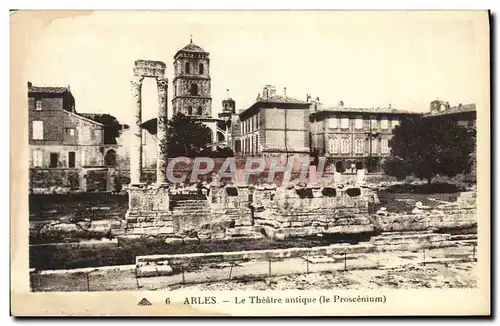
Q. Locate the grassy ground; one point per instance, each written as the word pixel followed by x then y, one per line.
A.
pixel 68 257
pixel 456 275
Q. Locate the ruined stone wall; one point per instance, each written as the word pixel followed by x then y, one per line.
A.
pixel 458 215
pixel 295 211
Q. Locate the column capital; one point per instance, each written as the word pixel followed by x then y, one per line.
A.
pixel 162 82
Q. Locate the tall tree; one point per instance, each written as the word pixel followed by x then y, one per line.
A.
pixel 186 137
pixel 426 147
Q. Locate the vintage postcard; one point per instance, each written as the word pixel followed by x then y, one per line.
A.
pixel 250 163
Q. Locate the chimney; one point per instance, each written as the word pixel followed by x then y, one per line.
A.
pixel 284 91
pixel 447 105
pixel 30 84
pixel 459 105
pixel 265 92
pixel 308 97
pixel 390 106
pixel 272 91
pixel 341 103
pixel 227 94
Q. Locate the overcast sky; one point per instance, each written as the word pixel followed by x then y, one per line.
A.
pixel 365 59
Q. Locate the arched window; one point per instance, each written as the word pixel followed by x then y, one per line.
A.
pixel 188 68
pixel 194 90
pixel 190 110
pixel 200 111
pixel 201 68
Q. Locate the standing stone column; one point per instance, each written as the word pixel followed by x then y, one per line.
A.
pixel 161 156
pixel 136 141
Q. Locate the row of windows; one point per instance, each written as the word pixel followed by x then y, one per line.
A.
pixel 250 124
pixel 187 68
pixel 38 159
pixel 343 123
pixel 250 145
pixel 343 145
pixel 193 90
pixel 38 133
pixel 199 110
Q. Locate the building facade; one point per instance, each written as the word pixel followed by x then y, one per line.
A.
pixel 463 114
pixel 58 136
pixel 355 138
pixel 274 125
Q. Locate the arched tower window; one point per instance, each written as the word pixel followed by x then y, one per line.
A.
pixel 194 90
pixel 201 68
pixel 190 110
pixel 200 111
pixel 188 68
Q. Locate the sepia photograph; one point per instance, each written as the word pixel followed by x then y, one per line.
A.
pixel 250 162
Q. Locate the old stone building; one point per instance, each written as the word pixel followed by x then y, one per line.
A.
pixel 192 83
pixel 59 137
pixel 463 114
pixel 274 125
pixel 355 138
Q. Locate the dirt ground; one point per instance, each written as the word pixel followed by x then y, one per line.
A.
pixel 456 275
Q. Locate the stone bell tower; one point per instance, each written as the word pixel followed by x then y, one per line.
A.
pixel 192 83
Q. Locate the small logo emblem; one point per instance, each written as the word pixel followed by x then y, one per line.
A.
pixel 144 302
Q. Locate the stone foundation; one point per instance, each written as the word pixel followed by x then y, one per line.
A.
pixel 217 211
pixel 458 215
pixel 301 211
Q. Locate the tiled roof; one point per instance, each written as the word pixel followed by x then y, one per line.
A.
pixel 191 47
pixel 92 116
pixel 281 99
pixel 366 110
pixel 43 89
pixel 454 110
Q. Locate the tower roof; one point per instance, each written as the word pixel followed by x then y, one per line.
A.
pixel 191 47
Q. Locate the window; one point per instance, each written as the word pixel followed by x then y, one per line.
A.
pixel 374 123
pixel 83 160
pixel 37 129
pixel 200 111
pixel 257 120
pixel 201 68
pixel 385 146
pixel 37 159
pixel 190 110
pixel 54 160
pixel 175 90
pixel 71 159
pixel 38 105
pixel 344 123
pixel 358 124
pixel 97 133
pixel 70 131
pixel 187 69
pixel 384 124
pixel 395 123
pixel 359 145
pixel 251 124
pixel 374 147
pixel 332 123
pixel 257 145
pixel 194 90
pixel 345 146
pixel 333 145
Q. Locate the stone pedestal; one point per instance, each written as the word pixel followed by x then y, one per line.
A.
pixel 149 210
